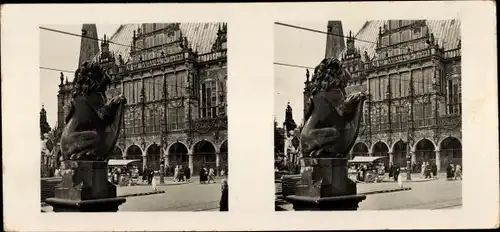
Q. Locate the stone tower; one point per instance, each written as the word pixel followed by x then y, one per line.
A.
pixel 334 44
pixel 44 125
pixel 89 46
pixel 289 124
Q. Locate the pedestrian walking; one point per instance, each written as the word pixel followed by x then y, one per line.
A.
pixel 397 170
pixel 422 170
pixel 188 174
pixel 434 170
pixel 400 180
pixel 211 175
pixel 202 175
pixel 458 172
pixel 449 171
pixel 176 173
pixel 224 199
pixel 153 184
pixel 181 174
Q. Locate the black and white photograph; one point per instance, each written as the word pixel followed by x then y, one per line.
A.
pixel 133 117
pixel 368 115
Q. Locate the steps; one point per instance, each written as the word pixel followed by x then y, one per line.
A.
pixel 47 187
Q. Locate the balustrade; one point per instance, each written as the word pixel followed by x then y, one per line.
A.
pixel 212 56
pixel 452 53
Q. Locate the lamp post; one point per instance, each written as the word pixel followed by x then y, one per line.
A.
pixel 408 155
pixel 162 159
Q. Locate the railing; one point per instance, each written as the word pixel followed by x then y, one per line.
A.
pixel 212 56
pixel 452 53
pixel 402 58
pixel 156 62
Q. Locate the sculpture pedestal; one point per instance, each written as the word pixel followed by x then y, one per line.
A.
pixel 85 188
pixel 325 185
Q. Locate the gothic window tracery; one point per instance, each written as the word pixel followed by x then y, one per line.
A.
pixel 208 103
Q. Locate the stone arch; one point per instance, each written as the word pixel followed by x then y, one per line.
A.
pixel 153 156
pixel 451 151
pixel 399 153
pixel 203 155
pixel 177 155
pixel 425 151
pixel 116 153
pixel 359 149
pixel 380 148
pixel 134 152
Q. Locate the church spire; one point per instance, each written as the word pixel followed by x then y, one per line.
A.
pixel 334 40
pixel 89 46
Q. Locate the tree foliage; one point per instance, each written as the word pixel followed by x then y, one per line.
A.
pixel 279 138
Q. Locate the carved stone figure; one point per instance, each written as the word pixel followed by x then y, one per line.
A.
pixel 332 120
pixel 92 124
pixel 331 126
pixel 89 135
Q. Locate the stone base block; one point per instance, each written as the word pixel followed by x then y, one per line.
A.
pixel 304 203
pixel 97 205
pixel 85 188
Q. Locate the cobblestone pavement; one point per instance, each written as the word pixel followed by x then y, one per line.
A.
pixel 186 197
pixel 431 194
pixel 438 194
pixel 191 196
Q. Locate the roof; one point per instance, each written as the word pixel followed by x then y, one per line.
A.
pixel 201 37
pixel 120 162
pixel 446 32
pixel 366 159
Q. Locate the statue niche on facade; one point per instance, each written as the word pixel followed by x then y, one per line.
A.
pixel 331 127
pixel 92 124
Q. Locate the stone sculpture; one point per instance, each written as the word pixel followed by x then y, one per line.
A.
pixel 331 127
pixel 92 124
pixel 90 133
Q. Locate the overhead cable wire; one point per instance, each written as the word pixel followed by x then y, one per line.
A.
pixel 82 36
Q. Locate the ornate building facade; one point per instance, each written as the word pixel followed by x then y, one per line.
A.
pixel 412 72
pixel 174 77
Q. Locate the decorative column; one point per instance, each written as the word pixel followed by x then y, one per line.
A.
pixel 391 158
pixel 144 161
pixel 438 160
pixel 124 156
pixel 190 156
pixel 217 163
pixel 165 156
pixel 413 156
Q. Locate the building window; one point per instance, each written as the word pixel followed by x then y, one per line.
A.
pixel 176 118
pixel 454 97
pixel 208 104
pixel 175 86
pixel 422 114
pixel 395 86
pixel 395 38
pixel 418 82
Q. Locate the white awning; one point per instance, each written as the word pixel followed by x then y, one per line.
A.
pixel 119 162
pixel 366 159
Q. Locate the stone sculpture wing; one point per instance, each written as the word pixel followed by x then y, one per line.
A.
pixel 351 131
pixel 112 131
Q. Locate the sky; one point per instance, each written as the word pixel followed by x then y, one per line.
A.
pixel 299 47
pixel 61 51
